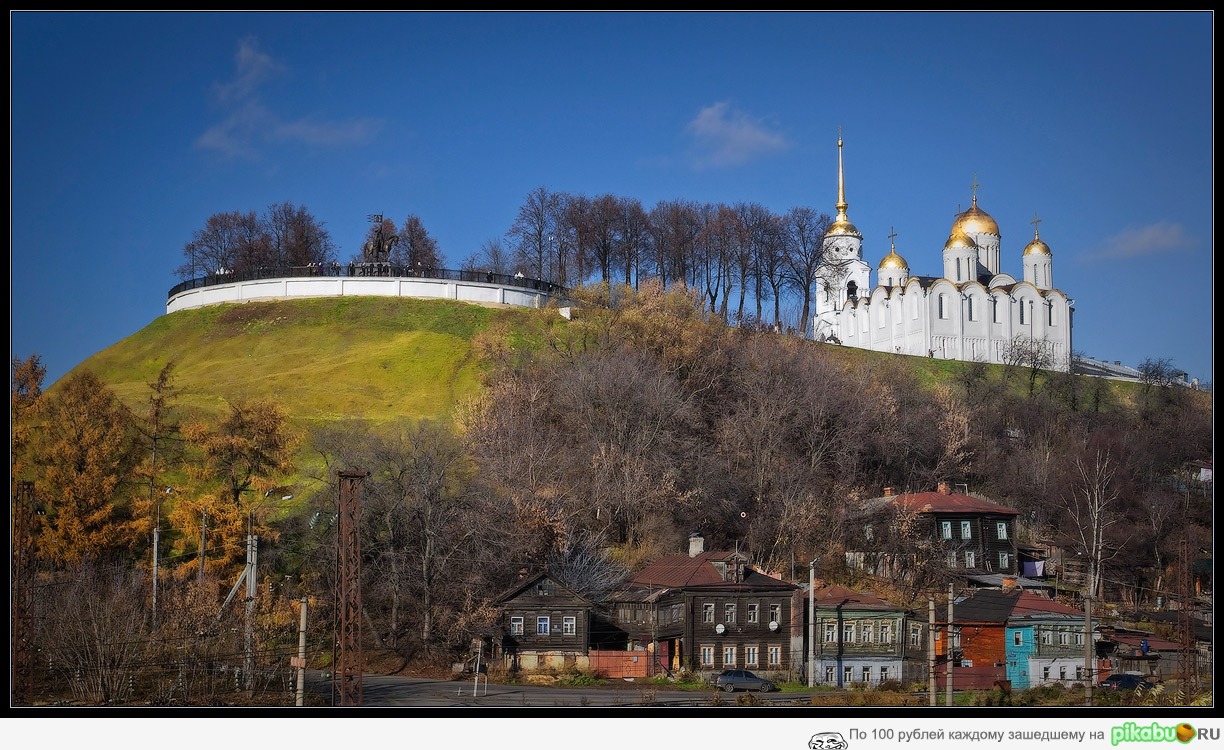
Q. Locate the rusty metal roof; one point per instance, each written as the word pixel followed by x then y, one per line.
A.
pixel 937 502
pixel 683 571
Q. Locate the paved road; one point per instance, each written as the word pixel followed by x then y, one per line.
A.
pixel 383 690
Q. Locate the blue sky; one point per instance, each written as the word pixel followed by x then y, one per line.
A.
pixel 128 130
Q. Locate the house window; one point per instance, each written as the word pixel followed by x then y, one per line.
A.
pixel 883 674
pixel 848 674
pixel 970 559
pixel 707 613
pixel 707 656
pixel 729 613
pixel 1079 674
pixel 1064 638
pixel 1062 672
pixel 886 632
pixel 1079 639
pixel 754 613
pixel 866 674
pixel 951 558
pixel 1045 673
pixel 945 529
pixel 775 613
pixel 915 635
pixel 1004 561
pixel 543 589
pixel 830 632
pixel 848 632
pixel 1047 637
pixel 750 656
pixel 868 632
pixel 775 656
pixel 1017 638
pixel 569 626
pixel 541 626
pixel 868 532
pixel 516 626
pixel 830 675
pixel 966 530
pixel 728 657
pixel 1001 529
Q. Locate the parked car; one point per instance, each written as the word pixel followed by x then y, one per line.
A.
pixel 1126 682
pixel 731 680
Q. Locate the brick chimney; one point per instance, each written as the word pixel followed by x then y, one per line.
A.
pixel 945 488
pixel 696 544
pixel 888 492
pixel 1009 583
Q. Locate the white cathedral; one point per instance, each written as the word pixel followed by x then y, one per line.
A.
pixel 973 312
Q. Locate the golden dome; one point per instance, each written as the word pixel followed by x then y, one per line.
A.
pixel 975 221
pixel 892 260
pixel 1037 247
pixel 843 227
pixel 959 239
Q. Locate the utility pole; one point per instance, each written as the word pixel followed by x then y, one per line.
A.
pixel 248 663
pixel 951 631
pixel 156 545
pixel 811 681
pixel 931 685
pixel 301 660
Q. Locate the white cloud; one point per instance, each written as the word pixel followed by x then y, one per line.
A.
pixel 249 124
pixel 1154 239
pixel 726 137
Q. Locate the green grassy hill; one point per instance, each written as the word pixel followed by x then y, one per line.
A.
pixel 321 359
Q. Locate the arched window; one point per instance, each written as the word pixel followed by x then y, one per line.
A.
pixel 943 307
pixel 1023 318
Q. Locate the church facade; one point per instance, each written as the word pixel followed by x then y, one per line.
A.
pixel 973 312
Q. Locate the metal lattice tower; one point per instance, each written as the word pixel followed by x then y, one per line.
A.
pixel 22 661
pixel 1185 622
pixel 346 680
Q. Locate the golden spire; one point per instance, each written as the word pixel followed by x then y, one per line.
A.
pixel 974 186
pixel 1035 222
pixel 841 181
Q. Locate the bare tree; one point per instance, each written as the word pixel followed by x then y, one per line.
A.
pixel 1091 502
pixel 535 223
pixel 805 229
pixel 415 248
pixel 1030 354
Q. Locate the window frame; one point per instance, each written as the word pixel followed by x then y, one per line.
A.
pixel 707 613
pixel 730 612
pixel 569 625
pixel 707 654
pixel 733 652
pixel 543 625
pixel 516 625
pixel 966 529
pixel 754 612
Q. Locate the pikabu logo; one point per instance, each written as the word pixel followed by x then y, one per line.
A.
pixel 1183 733
pixel 827 741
